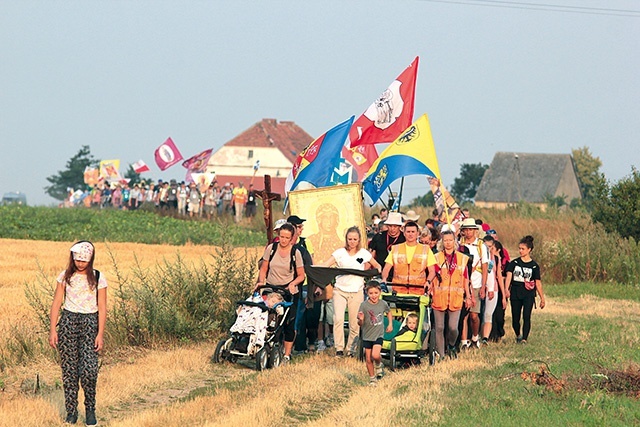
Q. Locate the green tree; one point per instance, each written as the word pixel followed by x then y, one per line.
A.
pixel 424 201
pixel 72 176
pixel 590 179
pixel 617 207
pixel 465 186
pixel 132 175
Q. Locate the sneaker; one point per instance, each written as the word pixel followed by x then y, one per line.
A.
pixel 373 382
pixel 321 346
pixel 71 418
pixel 90 418
pixel 523 341
pixel 351 354
pixel 329 341
pixel 379 370
pixel 339 353
pixel 465 345
pixel 519 339
pixel 286 360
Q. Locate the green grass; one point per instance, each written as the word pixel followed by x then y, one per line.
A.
pixel 55 224
pixel 602 290
pixel 574 348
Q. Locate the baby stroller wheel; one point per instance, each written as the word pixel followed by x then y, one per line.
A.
pixel 262 359
pixel 393 356
pixel 222 353
pixel 275 356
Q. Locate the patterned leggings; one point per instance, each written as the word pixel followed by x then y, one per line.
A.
pixel 76 337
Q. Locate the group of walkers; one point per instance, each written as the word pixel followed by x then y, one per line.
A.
pixel 184 199
pixel 468 278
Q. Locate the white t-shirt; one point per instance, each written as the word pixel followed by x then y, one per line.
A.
pixel 476 274
pixel 351 283
pixel 79 297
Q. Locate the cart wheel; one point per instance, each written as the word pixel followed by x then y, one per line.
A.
pixel 275 356
pixel 262 359
pixel 360 350
pixel 221 354
pixel 393 358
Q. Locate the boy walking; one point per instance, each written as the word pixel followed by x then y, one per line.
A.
pixel 371 321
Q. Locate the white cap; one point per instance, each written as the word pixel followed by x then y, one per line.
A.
pixel 279 223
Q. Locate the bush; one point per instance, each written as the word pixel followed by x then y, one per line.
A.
pixel 171 303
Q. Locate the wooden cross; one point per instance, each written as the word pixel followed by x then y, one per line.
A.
pixel 267 197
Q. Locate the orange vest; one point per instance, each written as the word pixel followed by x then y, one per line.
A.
pixel 409 273
pixel 448 292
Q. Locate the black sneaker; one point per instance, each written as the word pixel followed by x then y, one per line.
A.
pixel 71 418
pixel 90 418
pixel 453 352
pixel 519 339
pixel 339 353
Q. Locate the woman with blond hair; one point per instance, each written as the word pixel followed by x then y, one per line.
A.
pixel 348 292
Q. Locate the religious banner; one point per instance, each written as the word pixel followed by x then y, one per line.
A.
pixel 167 155
pixel 110 170
pixel 448 210
pixel 91 176
pixel 329 212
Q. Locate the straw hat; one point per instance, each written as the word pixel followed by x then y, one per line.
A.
pixel 394 218
pixel 411 216
pixel 469 223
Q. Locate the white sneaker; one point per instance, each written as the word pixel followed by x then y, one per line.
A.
pixel 329 341
pixel 379 370
pixel 321 346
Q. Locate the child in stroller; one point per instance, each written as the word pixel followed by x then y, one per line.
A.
pixel 257 331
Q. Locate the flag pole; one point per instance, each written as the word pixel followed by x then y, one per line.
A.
pixel 400 194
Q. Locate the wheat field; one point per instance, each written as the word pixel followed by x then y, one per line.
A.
pixel 180 386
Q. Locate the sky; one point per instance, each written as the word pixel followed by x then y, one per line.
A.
pixel 122 76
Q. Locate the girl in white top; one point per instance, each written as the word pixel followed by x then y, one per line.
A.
pixel 494 283
pixel 79 334
pixel 348 293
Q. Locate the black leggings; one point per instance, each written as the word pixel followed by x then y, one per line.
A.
pixel 522 302
pixel 290 323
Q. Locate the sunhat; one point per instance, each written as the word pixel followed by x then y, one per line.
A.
pixel 394 218
pixel 448 227
pixel 411 216
pixel 469 223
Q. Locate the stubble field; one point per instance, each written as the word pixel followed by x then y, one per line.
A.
pixel 579 337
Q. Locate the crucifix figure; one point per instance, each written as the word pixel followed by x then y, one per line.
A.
pixel 267 197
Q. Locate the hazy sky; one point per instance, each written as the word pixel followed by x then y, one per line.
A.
pixel 122 76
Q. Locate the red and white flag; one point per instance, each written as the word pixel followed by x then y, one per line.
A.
pixel 140 167
pixel 390 114
pixel 167 155
pixel 361 158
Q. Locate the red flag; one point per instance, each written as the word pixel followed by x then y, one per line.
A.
pixel 390 114
pixel 198 163
pixel 140 167
pixel 361 158
pixel 167 154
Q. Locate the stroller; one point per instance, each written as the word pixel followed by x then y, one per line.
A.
pixel 258 330
pixel 409 346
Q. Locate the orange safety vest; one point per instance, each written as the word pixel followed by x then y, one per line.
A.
pixel 448 292
pixel 409 273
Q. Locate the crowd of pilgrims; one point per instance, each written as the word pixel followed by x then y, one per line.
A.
pixel 185 199
pixel 469 275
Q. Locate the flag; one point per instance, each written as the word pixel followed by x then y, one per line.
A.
pixel 315 163
pixel 361 158
pixel 109 170
pixel 167 155
pixel 413 153
pixel 140 167
pixel 449 211
pixel 390 114
pixel 91 176
pixel 198 163
pixel 342 173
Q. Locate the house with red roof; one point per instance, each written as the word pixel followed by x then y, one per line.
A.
pixel 272 145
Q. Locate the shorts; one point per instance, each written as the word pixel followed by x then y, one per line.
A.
pixel 476 297
pixel 326 315
pixel 370 344
pixel 194 207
